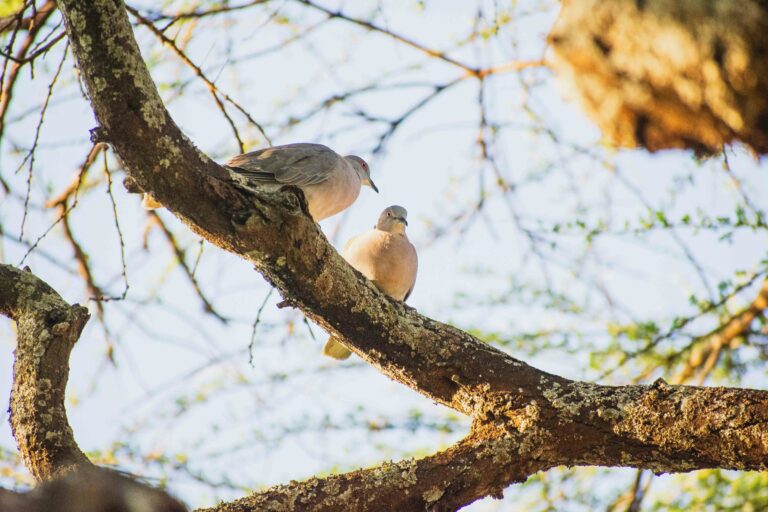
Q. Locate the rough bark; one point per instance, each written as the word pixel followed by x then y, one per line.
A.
pixel 517 431
pixel 660 74
pixel 525 420
pixel 662 428
pixel 48 328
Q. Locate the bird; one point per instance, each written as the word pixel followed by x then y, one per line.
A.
pixel 385 256
pixel 330 182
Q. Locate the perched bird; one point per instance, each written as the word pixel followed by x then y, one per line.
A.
pixel 330 182
pixel 385 256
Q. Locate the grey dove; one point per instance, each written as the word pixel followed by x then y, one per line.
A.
pixel 385 256
pixel 330 182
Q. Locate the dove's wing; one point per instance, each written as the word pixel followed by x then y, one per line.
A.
pixel 299 164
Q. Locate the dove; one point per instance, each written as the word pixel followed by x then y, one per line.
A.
pixel 385 256
pixel 330 182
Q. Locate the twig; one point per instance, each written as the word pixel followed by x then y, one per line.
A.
pixel 198 14
pixel 72 190
pixel 81 258
pixel 409 42
pixel 212 88
pixel 737 182
pixel 7 83
pixel 673 233
pixel 198 257
pixel 124 270
pixel 31 154
pixel 395 123
pixel 471 71
pixel 706 350
pixel 181 258
pixel 18 22
pixel 77 181
pixel 679 325
pixel 37 53
pixel 256 325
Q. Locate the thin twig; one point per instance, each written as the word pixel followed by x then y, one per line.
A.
pixel 673 233
pixel 256 325
pixel 681 324
pixel 73 190
pixel 181 258
pixel 18 22
pixel 31 154
pixel 81 258
pixel 8 82
pixel 212 88
pixel 124 270
pixel 198 14
pixel 395 123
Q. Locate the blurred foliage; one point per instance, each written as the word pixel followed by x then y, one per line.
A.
pixel 714 490
pixel 8 7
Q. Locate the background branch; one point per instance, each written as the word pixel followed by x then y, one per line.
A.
pixel 48 328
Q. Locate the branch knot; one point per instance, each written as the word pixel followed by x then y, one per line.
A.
pixel 99 135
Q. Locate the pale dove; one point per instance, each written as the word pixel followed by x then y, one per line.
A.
pixel 330 182
pixel 385 256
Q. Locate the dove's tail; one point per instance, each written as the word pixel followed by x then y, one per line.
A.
pixel 333 348
pixel 149 203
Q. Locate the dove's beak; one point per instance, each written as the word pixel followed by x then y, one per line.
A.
pixel 370 183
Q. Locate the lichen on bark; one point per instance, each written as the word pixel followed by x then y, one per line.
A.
pixel 48 328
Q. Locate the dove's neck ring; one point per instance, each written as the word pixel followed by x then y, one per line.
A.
pixel 394 225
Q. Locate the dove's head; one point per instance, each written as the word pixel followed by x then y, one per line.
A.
pixel 393 220
pixel 361 167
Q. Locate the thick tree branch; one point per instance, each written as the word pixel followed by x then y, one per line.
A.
pixel 662 428
pixel 48 328
pixel 525 420
pixel 445 481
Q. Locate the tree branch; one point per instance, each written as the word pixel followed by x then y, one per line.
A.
pixel 662 428
pixel 445 481
pixel 48 328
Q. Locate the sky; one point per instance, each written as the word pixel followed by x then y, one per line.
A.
pixel 182 388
